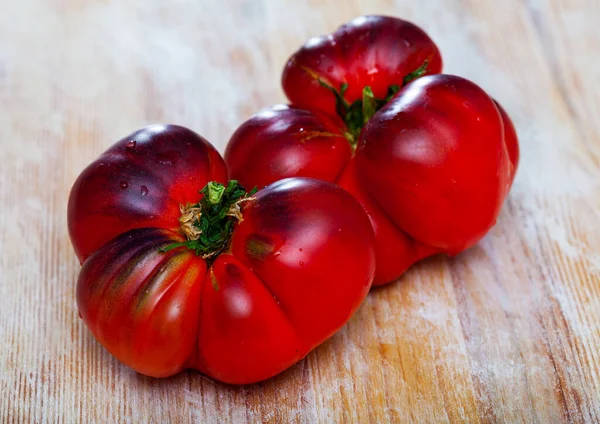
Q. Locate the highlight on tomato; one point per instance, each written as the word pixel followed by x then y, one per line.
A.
pixel 182 269
pixel 430 157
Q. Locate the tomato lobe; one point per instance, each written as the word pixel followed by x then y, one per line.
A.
pixel 152 292
pixel 140 182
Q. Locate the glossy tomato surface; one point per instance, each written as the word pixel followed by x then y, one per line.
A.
pixel 374 51
pixel 436 160
pixel 140 181
pixel 285 141
pixel 299 266
pixel 296 268
pixel 433 163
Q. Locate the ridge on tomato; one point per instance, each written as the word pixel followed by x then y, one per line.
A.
pixel 430 157
pixel 180 271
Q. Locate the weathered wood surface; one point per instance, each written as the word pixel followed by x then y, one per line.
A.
pixel 506 332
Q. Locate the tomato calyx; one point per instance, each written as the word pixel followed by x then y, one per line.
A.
pixel 208 224
pixel 357 114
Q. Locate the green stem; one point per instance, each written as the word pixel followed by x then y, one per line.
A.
pixel 369 104
pixel 214 192
pixel 208 224
pixel 357 114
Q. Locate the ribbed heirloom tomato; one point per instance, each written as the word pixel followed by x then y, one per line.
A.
pixel 181 271
pixel 430 157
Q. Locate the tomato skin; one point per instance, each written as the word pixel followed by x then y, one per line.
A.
pixel 143 305
pixel 244 334
pixel 133 185
pixel 432 168
pixel 318 240
pixel 298 266
pixel 375 51
pixel 435 159
pixel 308 145
pixel 395 250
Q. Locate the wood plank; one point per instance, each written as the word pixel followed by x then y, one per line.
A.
pixel 506 332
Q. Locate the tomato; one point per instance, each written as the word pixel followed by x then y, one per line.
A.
pixel 430 157
pixel 140 182
pixel 237 285
pixel 374 51
pixel 435 160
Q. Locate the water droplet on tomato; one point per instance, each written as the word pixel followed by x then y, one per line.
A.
pixel 131 144
pixel 300 249
pixel 143 190
pixel 277 254
pixel 407 43
pixel 301 263
pixel 123 185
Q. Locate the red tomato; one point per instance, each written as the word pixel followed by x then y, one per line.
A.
pixel 140 182
pixel 374 51
pixel 431 164
pixel 435 160
pixel 280 283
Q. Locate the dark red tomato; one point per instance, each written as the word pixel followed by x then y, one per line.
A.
pixel 139 182
pixel 374 51
pixel 285 141
pixel 268 278
pixel 432 165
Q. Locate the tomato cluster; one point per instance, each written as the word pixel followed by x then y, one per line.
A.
pixel 378 162
pixel 431 157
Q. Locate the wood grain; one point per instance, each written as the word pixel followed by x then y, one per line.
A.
pixel 506 332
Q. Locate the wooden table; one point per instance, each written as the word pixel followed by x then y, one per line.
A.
pixel 506 332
